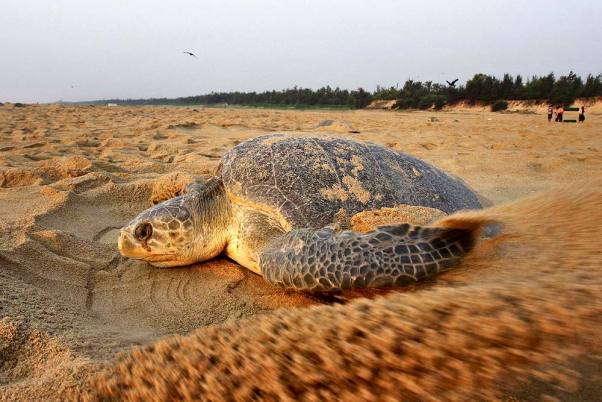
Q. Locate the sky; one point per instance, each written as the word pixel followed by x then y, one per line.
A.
pixel 75 50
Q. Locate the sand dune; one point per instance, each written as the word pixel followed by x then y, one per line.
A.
pixel 71 176
pixel 592 105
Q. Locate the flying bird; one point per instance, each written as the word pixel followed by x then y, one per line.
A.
pixel 191 54
pixel 453 83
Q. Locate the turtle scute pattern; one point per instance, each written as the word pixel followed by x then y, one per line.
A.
pixel 395 255
pixel 307 180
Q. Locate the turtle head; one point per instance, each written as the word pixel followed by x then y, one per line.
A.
pixel 180 231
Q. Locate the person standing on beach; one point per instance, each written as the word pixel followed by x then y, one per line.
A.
pixel 559 113
pixel 550 112
pixel 582 115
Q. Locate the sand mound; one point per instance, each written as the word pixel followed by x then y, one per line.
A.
pixel 525 307
pixel 335 126
pixel 18 178
pixel 170 186
pixel 367 220
pixel 48 171
pixel 35 363
pixel 382 104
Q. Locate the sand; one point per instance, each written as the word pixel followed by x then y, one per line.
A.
pixel 69 304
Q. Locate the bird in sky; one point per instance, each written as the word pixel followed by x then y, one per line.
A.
pixel 453 83
pixel 190 54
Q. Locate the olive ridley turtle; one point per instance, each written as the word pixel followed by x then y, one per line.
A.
pixel 277 205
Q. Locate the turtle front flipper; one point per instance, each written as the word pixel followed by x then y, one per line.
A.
pixel 323 260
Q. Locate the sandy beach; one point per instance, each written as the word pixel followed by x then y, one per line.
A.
pixel 72 309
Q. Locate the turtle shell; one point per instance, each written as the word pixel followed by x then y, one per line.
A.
pixel 307 180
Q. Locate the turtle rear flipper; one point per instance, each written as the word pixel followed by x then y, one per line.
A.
pixel 396 255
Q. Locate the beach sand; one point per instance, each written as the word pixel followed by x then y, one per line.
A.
pixel 70 304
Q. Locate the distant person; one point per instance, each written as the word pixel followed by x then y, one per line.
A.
pixel 559 113
pixel 550 113
pixel 582 115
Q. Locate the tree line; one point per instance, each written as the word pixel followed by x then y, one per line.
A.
pixel 413 94
pixel 489 89
pixel 302 97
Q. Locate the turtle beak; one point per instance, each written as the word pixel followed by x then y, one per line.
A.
pixel 130 247
pixel 127 245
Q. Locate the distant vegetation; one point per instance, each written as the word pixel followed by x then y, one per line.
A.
pixel 412 95
pixel 491 90
pixel 294 97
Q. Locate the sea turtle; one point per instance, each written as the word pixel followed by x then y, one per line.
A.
pixel 274 204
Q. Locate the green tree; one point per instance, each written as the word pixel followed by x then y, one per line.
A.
pixel 592 86
pixel 565 89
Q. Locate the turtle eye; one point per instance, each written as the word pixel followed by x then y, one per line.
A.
pixel 143 231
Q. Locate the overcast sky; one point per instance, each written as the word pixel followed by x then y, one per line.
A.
pixel 88 49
